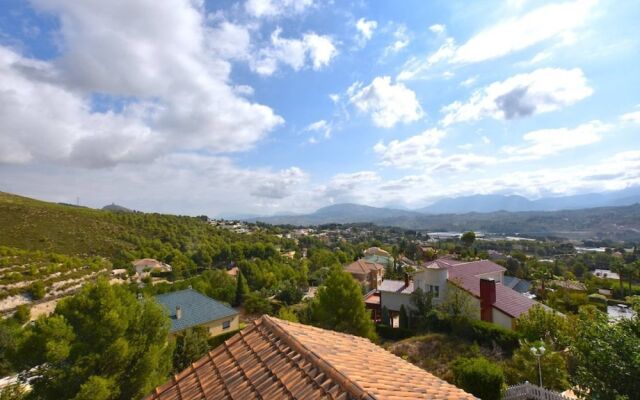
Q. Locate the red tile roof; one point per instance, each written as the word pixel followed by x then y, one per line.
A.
pixel 275 359
pixel 361 266
pixel 508 300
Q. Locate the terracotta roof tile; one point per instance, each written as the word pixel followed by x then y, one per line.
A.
pixel 363 267
pixel 275 359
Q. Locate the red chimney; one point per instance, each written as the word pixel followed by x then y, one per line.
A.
pixel 406 280
pixel 487 298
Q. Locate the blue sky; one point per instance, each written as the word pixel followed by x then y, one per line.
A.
pixel 271 106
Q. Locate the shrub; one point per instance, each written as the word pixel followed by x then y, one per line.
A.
pixel 390 333
pixel 219 339
pixel 479 377
pixel 255 303
pixel 404 318
pixel 37 290
pixel 22 314
pixel 486 333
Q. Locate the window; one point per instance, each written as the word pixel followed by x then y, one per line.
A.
pixel 226 324
pixel 435 289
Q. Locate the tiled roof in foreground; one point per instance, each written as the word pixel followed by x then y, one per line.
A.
pixel 275 359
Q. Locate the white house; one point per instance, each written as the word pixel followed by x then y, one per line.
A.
pixel 480 280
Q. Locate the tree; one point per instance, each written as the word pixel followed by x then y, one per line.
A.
pixel 290 293
pixel 9 332
pixel 339 306
pixel 190 346
pixel 423 304
pixel 404 318
pixel 101 339
pixel 468 238
pixel 457 303
pixel 256 303
pixel 546 325
pixel 605 356
pixel 385 316
pixel 524 367
pixel 241 289
pixel 287 314
pixel 479 377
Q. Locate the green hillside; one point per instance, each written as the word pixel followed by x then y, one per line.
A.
pixel 37 225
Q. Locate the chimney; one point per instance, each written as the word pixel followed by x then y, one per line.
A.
pixel 406 280
pixel 178 312
pixel 487 298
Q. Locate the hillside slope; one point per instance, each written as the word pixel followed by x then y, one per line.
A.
pixel 37 225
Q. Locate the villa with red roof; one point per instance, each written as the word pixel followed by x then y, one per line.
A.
pixel 481 280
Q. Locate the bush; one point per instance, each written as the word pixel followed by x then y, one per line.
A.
pixel 219 339
pixel 37 290
pixel 255 303
pixel 486 333
pixel 22 314
pixel 479 377
pixel 390 333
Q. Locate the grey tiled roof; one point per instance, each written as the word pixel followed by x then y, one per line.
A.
pixel 196 308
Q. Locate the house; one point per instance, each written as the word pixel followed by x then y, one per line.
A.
pixel 378 256
pixel 481 281
pixel 146 265
pixel 276 359
pixel 377 251
pixel 367 273
pixel 189 308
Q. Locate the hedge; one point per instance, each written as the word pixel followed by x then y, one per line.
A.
pixel 219 339
pixel 387 332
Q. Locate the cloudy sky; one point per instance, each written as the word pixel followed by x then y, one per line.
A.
pixel 272 106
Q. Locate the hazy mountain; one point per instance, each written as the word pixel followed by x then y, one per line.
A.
pixel 340 213
pixel 492 202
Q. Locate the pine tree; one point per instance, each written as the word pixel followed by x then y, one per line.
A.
pixel 404 318
pixel 385 316
pixel 340 306
pixel 242 288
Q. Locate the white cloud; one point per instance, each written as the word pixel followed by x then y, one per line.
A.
pixel 401 40
pixel 437 28
pixel 387 103
pixel 469 81
pixel 275 8
pixel 349 187
pixel 279 185
pixel 633 116
pixel 543 23
pixel 230 41
pixel 559 21
pixel 365 28
pixel 191 184
pixel 415 151
pixel 522 95
pixel 323 127
pixel 546 142
pixel 172 94
pixel 318 49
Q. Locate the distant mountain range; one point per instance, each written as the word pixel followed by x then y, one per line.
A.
pixel 598 215
pixel 352 213
pixel 491 203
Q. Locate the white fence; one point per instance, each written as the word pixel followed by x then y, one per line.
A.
pixel 528 391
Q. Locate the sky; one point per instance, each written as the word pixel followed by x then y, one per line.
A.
pixel 284 106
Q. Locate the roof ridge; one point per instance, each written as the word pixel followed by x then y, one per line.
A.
pixel 341 379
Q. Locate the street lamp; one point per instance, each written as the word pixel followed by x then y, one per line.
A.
pixel 538 352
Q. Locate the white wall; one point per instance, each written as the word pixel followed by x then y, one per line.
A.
pixel 432 276
pixel 502 319
pixel 393 301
